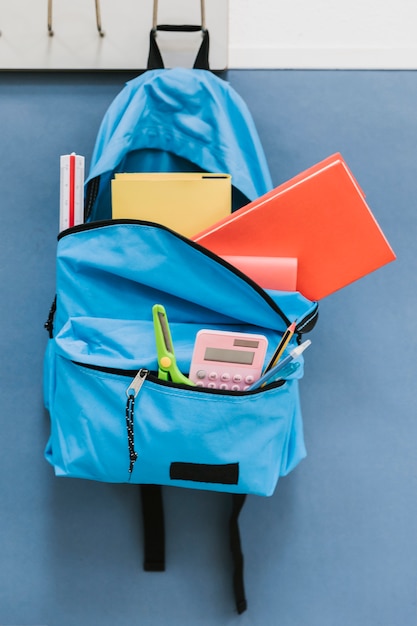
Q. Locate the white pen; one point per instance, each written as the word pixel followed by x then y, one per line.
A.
pixel 272 373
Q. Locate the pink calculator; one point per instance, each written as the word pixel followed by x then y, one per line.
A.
pixel 227 360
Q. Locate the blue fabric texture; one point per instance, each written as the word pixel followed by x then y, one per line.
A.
pixel 178 120
pixel 109 275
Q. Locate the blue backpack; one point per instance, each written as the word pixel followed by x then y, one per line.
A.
pixel 177 120
pixel 110 273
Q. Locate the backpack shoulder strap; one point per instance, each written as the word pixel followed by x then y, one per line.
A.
pixel 237 554
pixel 153 528
pixel 154 538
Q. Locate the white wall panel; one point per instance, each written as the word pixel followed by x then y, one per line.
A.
pixel 323 34
pixel 76 43
pixel 310 34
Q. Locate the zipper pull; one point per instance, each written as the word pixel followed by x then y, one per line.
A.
pixel 137 382
pixel 131 392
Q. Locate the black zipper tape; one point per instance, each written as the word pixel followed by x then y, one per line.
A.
pixel 301 328
pixel 131 373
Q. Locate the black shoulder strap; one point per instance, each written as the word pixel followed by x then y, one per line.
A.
pixel 237 554
pixel 153 528
pixel 154 538
pixel 155 61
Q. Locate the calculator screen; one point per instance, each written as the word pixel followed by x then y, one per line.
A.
pixel 224 355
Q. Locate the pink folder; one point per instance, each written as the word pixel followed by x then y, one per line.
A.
pixel 319 217
pixel 269 272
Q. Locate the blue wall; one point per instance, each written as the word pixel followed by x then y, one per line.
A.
pixel 336 544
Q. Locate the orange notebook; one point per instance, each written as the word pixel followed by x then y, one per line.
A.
pixel 320 217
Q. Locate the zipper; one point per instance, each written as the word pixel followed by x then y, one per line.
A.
pixel 136 384
pixel 308 322
pixel 139 376
pixel 266 297
pixel 49 324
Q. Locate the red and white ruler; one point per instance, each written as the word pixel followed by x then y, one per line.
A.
pixel 71 206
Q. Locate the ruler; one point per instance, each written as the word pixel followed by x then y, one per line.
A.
pixel 71 205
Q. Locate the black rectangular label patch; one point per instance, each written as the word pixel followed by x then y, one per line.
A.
pixel 225 474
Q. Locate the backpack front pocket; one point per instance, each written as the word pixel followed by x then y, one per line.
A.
pixel 163 433
pixel 235 442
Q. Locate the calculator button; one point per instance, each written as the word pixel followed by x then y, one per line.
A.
pixel 249 379
pixel 225 376
pixel 199 383
pixel 211 385
pixel 237 378
pixel 224 386
pixel 201 374
pixel 213 375
pixel 235 388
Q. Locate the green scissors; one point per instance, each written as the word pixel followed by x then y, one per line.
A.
pixel 167 364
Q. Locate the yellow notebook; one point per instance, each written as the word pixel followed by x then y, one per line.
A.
pixel 184 202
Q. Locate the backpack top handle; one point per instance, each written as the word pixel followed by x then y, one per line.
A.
pixel 155 60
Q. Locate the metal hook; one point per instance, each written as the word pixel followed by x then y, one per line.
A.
pixel 155 15
pixel 50 31
pixel 98 18
pixel 203 15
